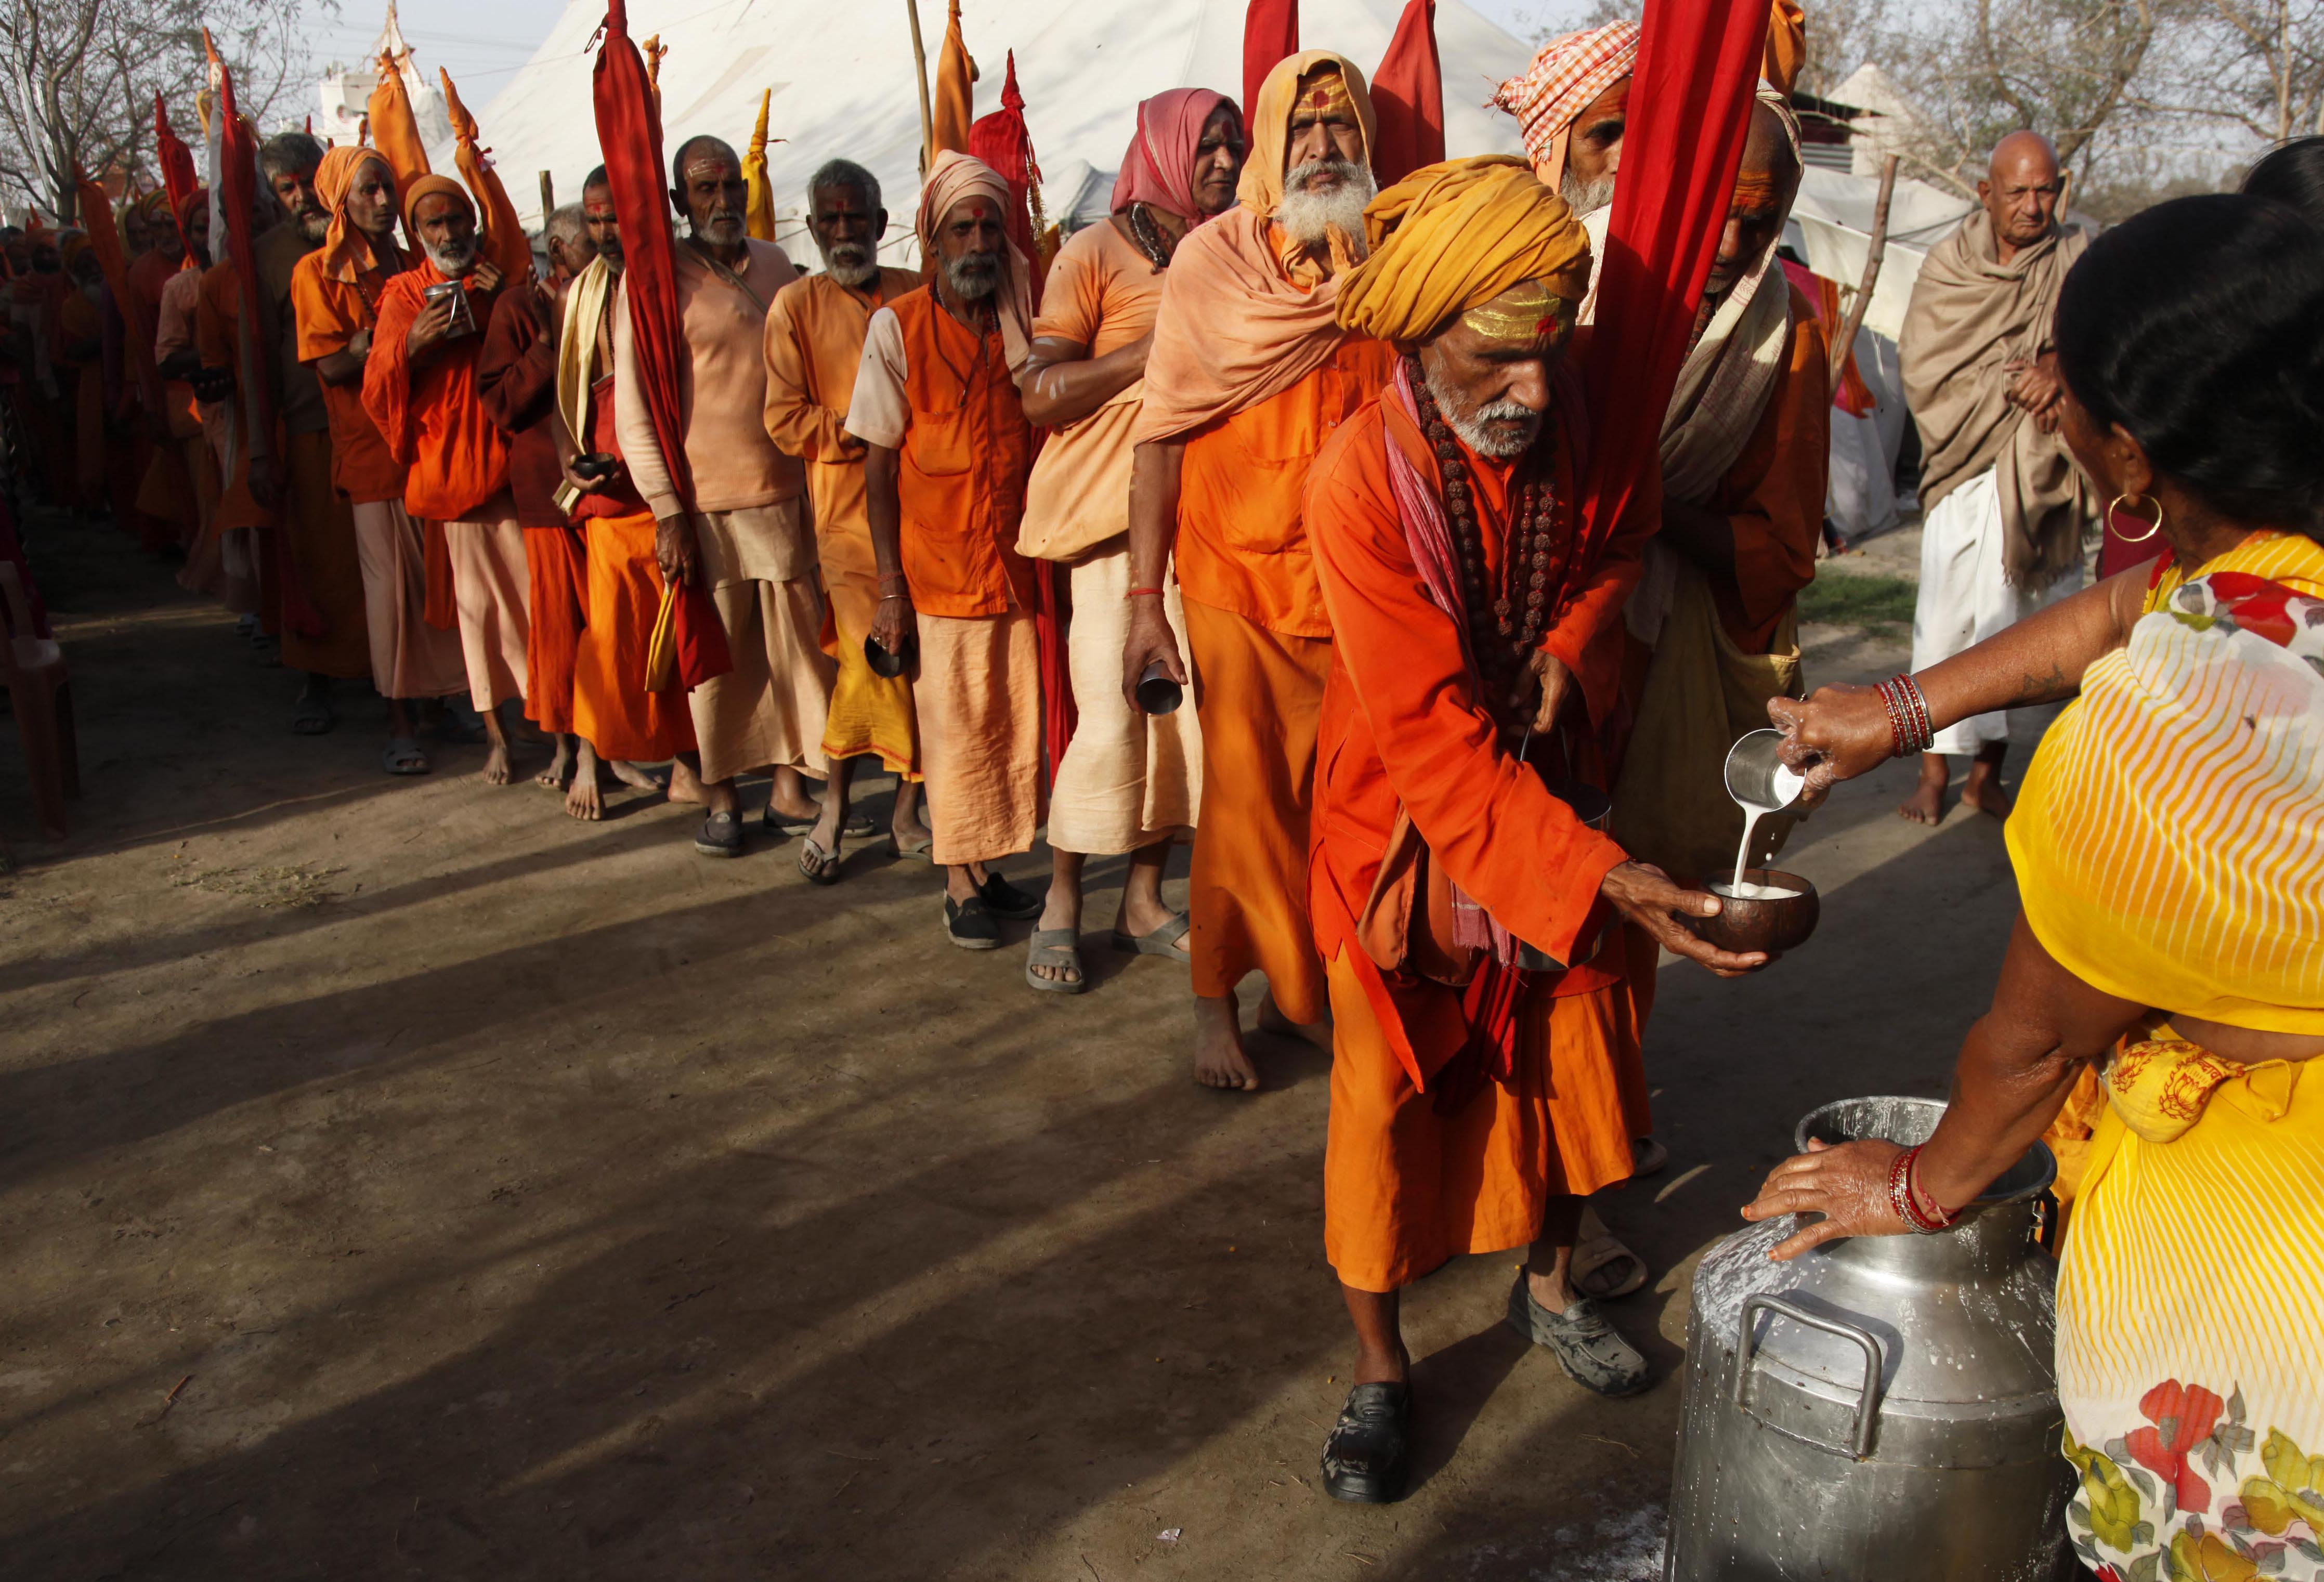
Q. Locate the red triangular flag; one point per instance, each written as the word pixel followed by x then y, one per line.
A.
pixel 1408 97
pixel 1271 30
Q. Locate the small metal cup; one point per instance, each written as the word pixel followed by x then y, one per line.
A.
pixel 1752 766
pixel 886 664
pixel 1157 693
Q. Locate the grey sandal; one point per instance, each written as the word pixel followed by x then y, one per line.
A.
pixel 820 866
pixel 404 757
pixel 1585 1344
pixel 1056 947
pixel 1168 938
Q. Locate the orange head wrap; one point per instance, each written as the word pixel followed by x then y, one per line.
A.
pixel 430 185
pixel 346 251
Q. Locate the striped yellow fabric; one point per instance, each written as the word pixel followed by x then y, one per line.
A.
pixel 2169 836
pixel 2191 1334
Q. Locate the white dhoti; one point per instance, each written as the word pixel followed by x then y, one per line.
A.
pixel 1129 778
pixel 409 658
pixel 1964 598
pixel 770 711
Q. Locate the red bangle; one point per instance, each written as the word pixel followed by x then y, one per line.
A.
pixel 1143 593
pixel 1904 1196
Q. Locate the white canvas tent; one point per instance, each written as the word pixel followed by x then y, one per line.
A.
pixel 845 86
pixel 1830 228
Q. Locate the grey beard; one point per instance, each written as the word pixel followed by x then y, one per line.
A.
pixel 720 230
pixel 850 264
pixel 1471 426
pixel 1586 198
pixel 972 277
pixel 1310 216
pixel 313 225
pixel 453 260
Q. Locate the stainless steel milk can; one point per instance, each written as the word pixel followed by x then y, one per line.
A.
pixel 1884 1407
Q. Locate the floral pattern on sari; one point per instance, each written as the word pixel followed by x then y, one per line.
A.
pixel 2144 1510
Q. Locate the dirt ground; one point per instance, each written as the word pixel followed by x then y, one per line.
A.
pixel 399 1178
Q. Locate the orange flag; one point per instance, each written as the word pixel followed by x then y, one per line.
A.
pixel 955 98
pixel 394 129
pixel 505 242
pixel 760 219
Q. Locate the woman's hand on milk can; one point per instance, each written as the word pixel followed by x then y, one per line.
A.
pixel 1847 1185
pixel 1837 734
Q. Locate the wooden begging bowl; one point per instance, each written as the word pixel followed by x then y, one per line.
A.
pixel 1746 923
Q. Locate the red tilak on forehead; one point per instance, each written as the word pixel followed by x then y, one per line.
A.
pixel 1320 99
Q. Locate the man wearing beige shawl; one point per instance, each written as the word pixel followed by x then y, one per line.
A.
pixel 1249 374
pixel 946 453
pixel 2005 507
pixel 1131 781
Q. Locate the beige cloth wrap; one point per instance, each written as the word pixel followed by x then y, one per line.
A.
pixel 1970 316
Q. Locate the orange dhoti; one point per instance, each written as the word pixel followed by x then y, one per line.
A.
pixel 318 536
pixel 978 694
pixel 409 658
pixel 557 562
pixel 1406 1188
pixel 1259 694
pixel 611 709
pixel 490 586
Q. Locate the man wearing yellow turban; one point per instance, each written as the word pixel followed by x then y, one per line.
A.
pixel 1462 897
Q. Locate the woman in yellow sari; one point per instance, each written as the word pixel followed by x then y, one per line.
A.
pixel 2168 955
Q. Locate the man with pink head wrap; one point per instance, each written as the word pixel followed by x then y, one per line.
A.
pixel 1571 104
pixel 947 451
pixel 1130 781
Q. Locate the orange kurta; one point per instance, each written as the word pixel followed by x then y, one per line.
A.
pixel 429 414
pixel 1405 1186
pixel 330 312
pixel 960 485
pixel 1259 640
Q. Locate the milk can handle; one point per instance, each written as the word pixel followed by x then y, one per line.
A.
pixel 1867 1398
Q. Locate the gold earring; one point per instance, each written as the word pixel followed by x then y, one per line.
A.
pixel 2150 532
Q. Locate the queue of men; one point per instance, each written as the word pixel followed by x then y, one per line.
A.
pixel 1302 449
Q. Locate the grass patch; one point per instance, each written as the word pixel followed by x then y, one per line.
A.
pixel 1876 604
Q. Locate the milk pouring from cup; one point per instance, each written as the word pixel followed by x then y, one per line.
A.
pixel 1760 784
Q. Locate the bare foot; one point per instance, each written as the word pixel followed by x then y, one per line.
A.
pixel 496 765
pixel 1982 790
pixel 1271 1019
pixel 560 765
pixel 686 784
pixel 641 778
pixel 1927 804
pixel 586 800
pixel 1218 1058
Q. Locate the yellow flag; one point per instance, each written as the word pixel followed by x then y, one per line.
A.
pixel 759 219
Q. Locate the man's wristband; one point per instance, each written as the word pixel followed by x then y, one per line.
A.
pixel 1143 593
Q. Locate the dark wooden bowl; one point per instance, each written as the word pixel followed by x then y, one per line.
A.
pixel 1749 923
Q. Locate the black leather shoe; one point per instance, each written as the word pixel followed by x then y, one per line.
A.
pixel 1585 1344
pixel 1003 899
pixel 970 925
pixel 1368 1456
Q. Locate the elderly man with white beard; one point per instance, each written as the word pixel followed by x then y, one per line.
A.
pixel 420 386
pixel 1248 375
pixel 814 345
pixel 747 538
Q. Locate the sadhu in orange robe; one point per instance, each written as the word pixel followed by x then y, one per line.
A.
pixel 1430 1154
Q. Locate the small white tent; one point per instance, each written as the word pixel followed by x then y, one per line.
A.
pixel 845 86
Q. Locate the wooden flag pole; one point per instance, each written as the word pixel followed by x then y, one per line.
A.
pixel 928 114
pixel 1845 340
pixel 547 197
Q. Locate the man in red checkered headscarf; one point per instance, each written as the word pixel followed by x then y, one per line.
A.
pixel 1571 104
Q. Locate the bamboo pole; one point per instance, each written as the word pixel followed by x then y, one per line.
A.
pixel 927 113
pixel 1845 340
pixel 547 197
